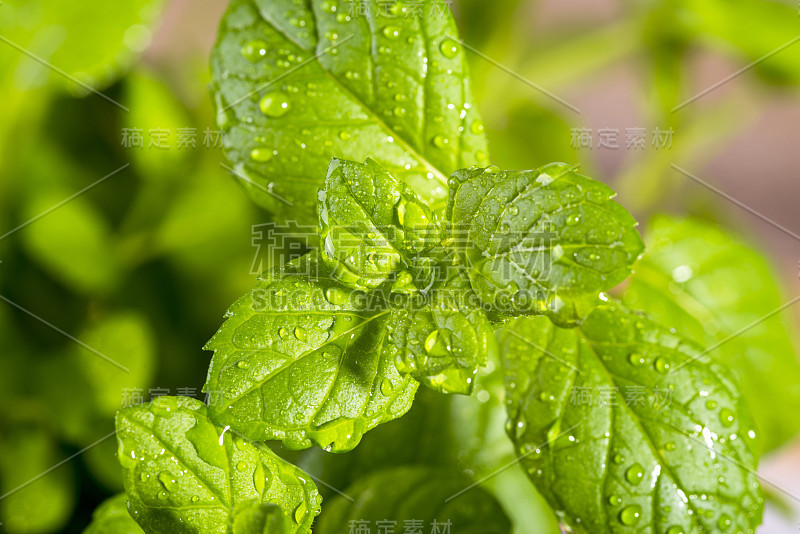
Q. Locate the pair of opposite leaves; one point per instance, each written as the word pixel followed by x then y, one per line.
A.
pixel 274 374
pixel 328 346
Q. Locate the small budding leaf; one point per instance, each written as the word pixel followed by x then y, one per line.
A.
pixel 425 497
pixel 372 225
pixel 112 517
pixel 622 424
pixel 307 361
pixel 299 82
pixel 444 342
pixel 183 474
pixel 254 517
pixel 545 241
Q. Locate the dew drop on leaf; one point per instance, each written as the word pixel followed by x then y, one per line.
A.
pixel 255 50
pixel 275 104
pixel 440 141
pixel 241 467
pixel 391 32
pixel 449 48
pixel 261 154
pixel 335 296
pixel 676 530
pixel 284 333
pixel 477 127
pixel 726 416
pixel 634 474
pixel 300 333
pixel 630 515
pixel 636 359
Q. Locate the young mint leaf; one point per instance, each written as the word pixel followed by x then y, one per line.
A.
pixel 372 225
pixel 254 517
pixel 443 343
pixel 723 294
pixel 306 361
pixel 541 241
pixel 112 517
pixel 297 83
pixel 183 474
pixel 414 498
pixel 622 424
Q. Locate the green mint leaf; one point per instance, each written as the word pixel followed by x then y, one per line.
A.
pixel 541 241
pixel 297 83
pixel 306 361
pixel 255 517
pixel 184 474
pixel 112 517
pixel 419 497
pixel 444 341
pixel 621 423
pixel 713 288
pixel 372 225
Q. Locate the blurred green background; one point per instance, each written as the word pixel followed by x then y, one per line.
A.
pixel 112 250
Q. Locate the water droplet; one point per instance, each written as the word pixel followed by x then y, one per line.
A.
pixel 636 359
pixel 513 210
pixel 391 32
pixel 255 50
pixel 344 135
pixel 449 48
pixel 300 333
pixel 662 365
pixel 477 127
pixel 724 522
pixel 243 364
pixel 431 340
pixel 162 495
pixel 300 513
pixel 275 104
pixel 726 416
pixel 261 154
pixel 284 333
pixel 386 387
pixel 711 404
pixel 241 467
pixel 630 515
pixel 615 500
pixel 194 498
pixel 634 474
pixel 676 530
pixel 167 481
pixel 670 446
pixel 573 220
pixel 440 141
pixel 336 296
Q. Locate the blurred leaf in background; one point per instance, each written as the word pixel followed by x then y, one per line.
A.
pixel 721 293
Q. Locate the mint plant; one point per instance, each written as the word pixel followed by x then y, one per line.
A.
pixel 432 264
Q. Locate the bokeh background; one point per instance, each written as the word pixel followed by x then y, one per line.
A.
pixel 136 252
